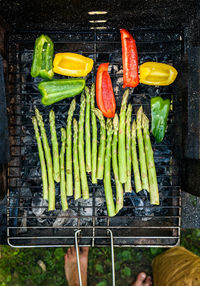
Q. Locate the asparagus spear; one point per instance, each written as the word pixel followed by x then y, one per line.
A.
pixel 87 132
pixel 107 176
pixel 84 184
pixel 102 143
pixel 77 186
pixel 42 160
pixel 121 144
pixel 94 137
pixel 62 171
pixel 54 141
pixel 119 187
pixel 143 166
pixel 128 187
pixel 69 179
pixel 48 158
pixel 153 185
pixel 138 185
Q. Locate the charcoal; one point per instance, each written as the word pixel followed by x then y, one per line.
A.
pixel 39 205
pixel 120 72
pixel 23 226
pixel 119 80
pixel 67 217
pixel 115 68
pixel 85 210
pixel 99 198
pixel 25 190
pixel 27 139
pixel 148 209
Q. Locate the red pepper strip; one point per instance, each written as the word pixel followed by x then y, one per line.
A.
pixel 104 92
pixel 129 59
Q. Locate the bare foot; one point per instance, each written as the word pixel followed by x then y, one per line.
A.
pixel 143 280
pixel 71 269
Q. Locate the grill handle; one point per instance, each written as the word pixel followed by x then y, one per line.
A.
pixel 77 256
pixel 112 256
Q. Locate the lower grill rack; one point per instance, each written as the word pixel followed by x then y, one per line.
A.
pixel 139 223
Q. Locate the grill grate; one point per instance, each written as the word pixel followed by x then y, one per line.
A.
pixel 139 223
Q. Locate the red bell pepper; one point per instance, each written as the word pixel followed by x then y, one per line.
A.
pixel 129 59
pixel 104 92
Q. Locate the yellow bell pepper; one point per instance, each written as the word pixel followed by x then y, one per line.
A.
pixel 153 73
pixel 71 64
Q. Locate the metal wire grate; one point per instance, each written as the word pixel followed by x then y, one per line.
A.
pixel 139 223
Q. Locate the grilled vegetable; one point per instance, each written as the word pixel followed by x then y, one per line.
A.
pixel 122 144
pixel 137 180
pixel 143 166
pixel 94 137
pixel 104 92
pixel 62 171
pixel 42 160
pixel 128 187
pixel 129 59
pixel 56 90
pixel 69 179
pixel 119 187
pixel 43 58
pixel 159 114
pixel 71 64
pixel 81 155
pixel 87 132
pixel 48 160
pixel 77 185
pixel 153 73
pixel 107 176
pixel 54 141
pixel 153 185
pixel 102 144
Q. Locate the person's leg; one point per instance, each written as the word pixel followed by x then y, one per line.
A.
pixel 142 280
pixel 71 269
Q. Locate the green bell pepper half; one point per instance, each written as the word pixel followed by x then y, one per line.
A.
pixel 42 64
pixel 159 115
pixel 55 90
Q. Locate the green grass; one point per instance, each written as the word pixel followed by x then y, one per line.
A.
pixel 20 266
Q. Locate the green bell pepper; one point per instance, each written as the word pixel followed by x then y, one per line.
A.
pixel 42 64
pixel 159 115
pixel 59 89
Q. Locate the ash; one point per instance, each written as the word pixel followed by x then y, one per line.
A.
pixel 66 218
pixel 39 205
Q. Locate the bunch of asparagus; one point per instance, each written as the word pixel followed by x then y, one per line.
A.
pixel 145 172
pixel 117 146
pixel 126 155
pixel 58 167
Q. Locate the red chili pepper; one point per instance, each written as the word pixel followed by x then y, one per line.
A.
pixel 104 92
pixel 129 59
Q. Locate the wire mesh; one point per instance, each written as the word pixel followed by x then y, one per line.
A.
pixel 138 223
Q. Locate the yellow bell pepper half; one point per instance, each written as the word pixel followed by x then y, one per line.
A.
pixel 71 64
pixel 153 73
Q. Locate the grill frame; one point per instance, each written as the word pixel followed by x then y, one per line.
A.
pixel 26 38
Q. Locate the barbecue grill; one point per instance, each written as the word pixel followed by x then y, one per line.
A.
pixel 138 223
pixel 163 32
